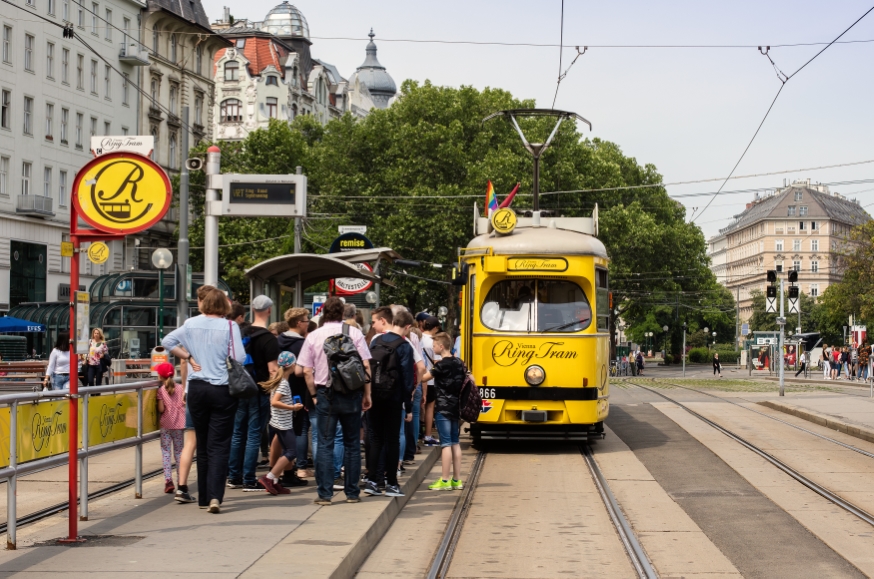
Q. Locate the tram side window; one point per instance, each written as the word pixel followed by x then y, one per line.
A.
pixel 603 299
pixel 527 305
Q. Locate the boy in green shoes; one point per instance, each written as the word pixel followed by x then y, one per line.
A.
pixel 448 374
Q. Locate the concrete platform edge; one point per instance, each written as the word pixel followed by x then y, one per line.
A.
pixel 826 420
pixel 362 549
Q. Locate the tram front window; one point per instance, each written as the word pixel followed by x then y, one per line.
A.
pixel 528 305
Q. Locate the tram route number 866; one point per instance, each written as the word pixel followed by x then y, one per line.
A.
pixel 487 393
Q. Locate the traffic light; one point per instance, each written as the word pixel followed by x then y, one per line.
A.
pixel 793 292
pixel 771 291
pixel 793 276
pixel 772 276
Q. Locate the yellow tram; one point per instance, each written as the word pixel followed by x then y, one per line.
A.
pixel 534 314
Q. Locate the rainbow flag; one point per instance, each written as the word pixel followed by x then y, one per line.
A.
pixel 491 199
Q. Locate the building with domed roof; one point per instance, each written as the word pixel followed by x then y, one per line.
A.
pixel 270 72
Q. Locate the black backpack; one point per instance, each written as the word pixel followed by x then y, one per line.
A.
pixel 385 368
pixel 347 368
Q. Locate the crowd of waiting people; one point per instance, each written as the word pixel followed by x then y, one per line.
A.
pixel 299 428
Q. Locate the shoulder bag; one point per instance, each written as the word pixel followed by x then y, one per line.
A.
pixel 240 382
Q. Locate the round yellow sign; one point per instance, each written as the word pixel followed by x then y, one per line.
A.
pixel 98 252
pixel 122 193
pixel 504 221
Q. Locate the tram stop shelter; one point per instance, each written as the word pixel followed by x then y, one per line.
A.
pixel 297 271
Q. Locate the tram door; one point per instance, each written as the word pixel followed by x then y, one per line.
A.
pixel 470 306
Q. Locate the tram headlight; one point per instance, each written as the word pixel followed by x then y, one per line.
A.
pixel 535 375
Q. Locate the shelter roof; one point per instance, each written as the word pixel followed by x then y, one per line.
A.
pixel 309 268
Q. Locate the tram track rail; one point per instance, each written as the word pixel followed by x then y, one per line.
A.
pixel 773 460
pixel 637 556
pixel 61 507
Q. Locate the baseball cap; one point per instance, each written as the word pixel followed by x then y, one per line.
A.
pixel 261 303
pixel 422 316
pixel 286 359
pixel 165 370
pixel 431 322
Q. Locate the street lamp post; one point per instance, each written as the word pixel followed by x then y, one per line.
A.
pixel 714 340
pixel 665 351
pixel 684 349
pixel 161 259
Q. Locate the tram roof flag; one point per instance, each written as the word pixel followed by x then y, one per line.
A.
pixel 509 199
pixel 491 198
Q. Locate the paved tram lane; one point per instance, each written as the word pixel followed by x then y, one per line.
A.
pixel 756 535
pixel 538 514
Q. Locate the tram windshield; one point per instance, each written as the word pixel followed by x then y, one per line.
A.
pixel 532 305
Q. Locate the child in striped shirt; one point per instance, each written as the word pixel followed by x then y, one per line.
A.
pixel 282 408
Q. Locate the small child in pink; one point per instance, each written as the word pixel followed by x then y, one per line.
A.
pixel 171 405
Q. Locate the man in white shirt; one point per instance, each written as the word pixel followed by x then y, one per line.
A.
pixel 430 328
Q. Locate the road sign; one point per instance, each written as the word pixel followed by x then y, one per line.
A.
pixel 771 305
pixel 362 229
pixel 83 331
pixel 98 252
pixel 504 221
pixel 354 285
pixel 318 302
pixel 122 193
pixel 140 144
pixel 352 241
pixel 264 195
pixel 66 249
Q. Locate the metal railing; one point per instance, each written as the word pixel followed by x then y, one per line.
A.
pixel 11 473
pixel 39 204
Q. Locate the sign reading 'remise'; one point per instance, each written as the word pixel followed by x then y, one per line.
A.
pixel 264 195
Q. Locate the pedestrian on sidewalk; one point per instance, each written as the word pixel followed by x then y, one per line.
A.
pixel 392 381
pixel 298 320
pixel 262 350
pixel 835 363
pixel 58 370
pixel 171 406
pixel 639 361
pixel 283 405
pixel 96 351
pixel 448 374
pixel 824 362
pixel 864 355
pixel 854 361
pixel 335 407
pixel 717 367
pixel 803 362
pixel 207 341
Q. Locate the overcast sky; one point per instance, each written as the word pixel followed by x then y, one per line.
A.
pixel 690 112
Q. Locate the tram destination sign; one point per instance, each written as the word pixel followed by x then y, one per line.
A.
pixel 264 195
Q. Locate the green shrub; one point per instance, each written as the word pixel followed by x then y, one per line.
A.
pixel 728 356
pixel 668 359
pixel 699 355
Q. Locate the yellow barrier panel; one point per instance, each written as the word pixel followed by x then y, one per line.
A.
pixel 114 417
pixel 43 429
pixel 4 436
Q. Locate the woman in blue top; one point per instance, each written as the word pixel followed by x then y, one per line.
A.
pixel 205 341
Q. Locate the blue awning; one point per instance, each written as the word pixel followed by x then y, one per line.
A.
pixel 13 325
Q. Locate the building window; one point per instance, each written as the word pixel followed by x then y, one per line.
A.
pixel 28 52
pixel 80 72
pixel 778 265
pixel 125 90
pixel 796 245
pixel 778 245
pixel 7 44
pixel 28 116
pixel 172 150
pixel 47 182
pixel 814 226
pixel 232 70
pixel 155 148
pixel 241 43
pixel 814 267
pixel 272 105
pixel 173 46
pixel 198 108
pixel 94 77
pixel 198 59
pixel 174 97
pixel 95 10
pixel 65 119
pixel 799 195
pixel 125 26
pixel 796 265
pixel 814 245
pixel 107 128
pixel 62 188
pixel 153 91
pixel 93 126
pixel 51 7
pixel 26 175
pixel 66 15
pixel 80 21
pixel 800 226
pixel 50 60
pixel 80 119
pixel 231 111
pixel 107 82
pixel 108 35
pixel 802 210
pixel 293 111
pixel 4 176
pixel 814 290
pixel 272 80
pixel 791 211
pixel 156 35
pixel 65 66
pixel 6 109
pixel 50 117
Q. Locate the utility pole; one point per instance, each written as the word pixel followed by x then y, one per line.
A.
pixel 182 286
pixel 298 286
pixel 781 321
pixel 213 210
pixel 737 321
pixel 684 349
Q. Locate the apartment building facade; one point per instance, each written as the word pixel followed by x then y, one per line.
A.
pixel 800 227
